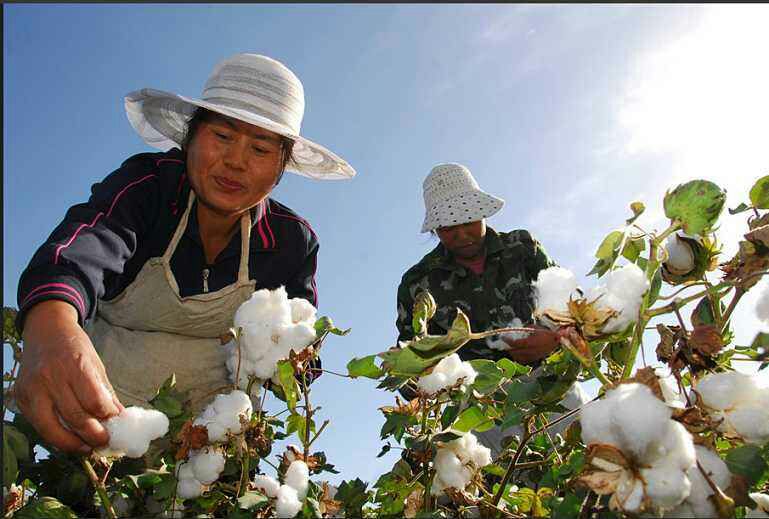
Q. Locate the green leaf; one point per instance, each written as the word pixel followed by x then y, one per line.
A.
pixel 17 442
pixel 740 208
pixel 45 508
pixel 450 414
pixel 424 310
pixel 353 496
pixel 473 418
pixel 252 500
pixel 633 248
pixel 385 449
pixel 298 424
pixel 326 325
pixel 512 369
pixel 489 376
pixel 10 463
pixel 364 367
pixel 609 247
pixel 396 424
pixel 759 193
pixel 520 391
pixel 746 461
pixel 288 383
pixel 696 204
pixel 600 268
pixel 168 400
pixel 457 336
pixel 446 436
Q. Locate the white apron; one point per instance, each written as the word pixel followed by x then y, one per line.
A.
pixel 149 331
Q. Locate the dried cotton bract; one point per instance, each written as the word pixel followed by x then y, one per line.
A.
pixel 271 326
pixel 655 452
pixel 457 461
pixel 131 432
pixel 739 402
pixel 623 291
pixel 223 415
pixel 447 373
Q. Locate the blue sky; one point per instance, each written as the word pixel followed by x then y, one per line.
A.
pixel 568 112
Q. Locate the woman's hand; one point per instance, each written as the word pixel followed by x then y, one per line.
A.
pixel 538 345
pixel 62 378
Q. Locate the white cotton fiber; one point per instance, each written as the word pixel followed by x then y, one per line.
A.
pixel 553 289
pixel 223 415
pixel 131 432
pixel 271 326
pixel 447 373
pixel 297 477
pixel 188 488
pixel 722 391
pixel 680 255
pixel 594 418
pixel 267 484
pixel 667 486
pixel 638 418
pixel 670 391
pixel 750 420
pixel 456 462
pixel 287 503
pixel 623 292
pixel 207 464
pixel 697 503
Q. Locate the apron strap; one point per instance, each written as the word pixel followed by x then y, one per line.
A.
pixel 245 239
pixel 179 230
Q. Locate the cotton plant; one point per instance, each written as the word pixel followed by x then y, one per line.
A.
pixel 738 402
pixel 450 371
pixel 289 496
pixel 456 462
pixel 679 255
pixel 648 457
pixel 131 432
pixel 271 325
pixel 225 415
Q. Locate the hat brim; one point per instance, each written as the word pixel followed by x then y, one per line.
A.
pixel 160 118
pixel 468 209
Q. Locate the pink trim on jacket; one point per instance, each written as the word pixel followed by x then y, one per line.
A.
pixel 69 291
pixel 99 215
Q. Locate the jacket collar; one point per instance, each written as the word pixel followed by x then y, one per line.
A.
pixel 441 258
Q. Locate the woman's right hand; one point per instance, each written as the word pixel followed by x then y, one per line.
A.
pixel 62 378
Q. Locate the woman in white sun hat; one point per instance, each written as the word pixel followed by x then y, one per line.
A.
pixel 488 274
pixel 143 279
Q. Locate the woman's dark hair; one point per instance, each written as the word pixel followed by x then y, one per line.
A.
pixel 201 114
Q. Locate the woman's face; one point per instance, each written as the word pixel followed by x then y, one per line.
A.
pixel 232 165
pixel 464 240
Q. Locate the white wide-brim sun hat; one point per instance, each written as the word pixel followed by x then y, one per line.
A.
pixel 251 88
pixel 452 197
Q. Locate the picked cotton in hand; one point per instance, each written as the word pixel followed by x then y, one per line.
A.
pixel 131 432
pixel 446 374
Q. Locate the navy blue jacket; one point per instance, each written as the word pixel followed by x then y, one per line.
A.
pixel 101 245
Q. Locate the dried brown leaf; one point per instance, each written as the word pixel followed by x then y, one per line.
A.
pixel 328 505
pixel 414 502
pixel 647 377
pixel 706 339
pixel 759 235
pixel 599 481
pixel 411 408
pixel 191 437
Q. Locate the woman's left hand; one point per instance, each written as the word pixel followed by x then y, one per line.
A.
pixel 538 345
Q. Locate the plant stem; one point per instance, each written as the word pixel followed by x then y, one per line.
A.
pixel 512 467
pixel 99 486
pixel 244 479
pixel 738 293
pixel 653 312
pixel 426 464
pixel 319 370
pixel 588 363
pixel 315 437
pixel 307 418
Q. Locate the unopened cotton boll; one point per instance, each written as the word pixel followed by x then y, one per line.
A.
pixel 680 255
pixel 267 484
pixel 553 289
pixel 298 477
pixel 131 432
pixel 447 373
pixel 287 503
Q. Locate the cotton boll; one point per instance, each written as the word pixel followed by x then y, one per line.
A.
pixel 438 486
pixel 451 470
pixel 675 448
pixel 133 429
pixel 302 310
pixel 751 421
pixel 230 408
pixel 667 486
pixel 680 255
pixel 594 418
pixel 267 484
pixel 724 390
pixel 287 503
pixel 627 282
pixel 638 417
pixel 188 488
pixel 553 289
pixel 297 477
pixel 629 493
pixel 207 464
pixel 252 307
pixel 700 489
pixel 670 391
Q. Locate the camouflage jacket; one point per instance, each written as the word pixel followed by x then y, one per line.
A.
pixel 491 300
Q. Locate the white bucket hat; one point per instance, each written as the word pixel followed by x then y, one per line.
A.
pixel 452 197
pixel 251 88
